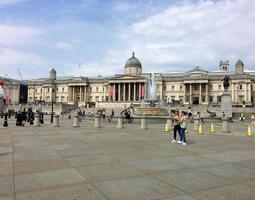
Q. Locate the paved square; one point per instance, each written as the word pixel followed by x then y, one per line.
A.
pixel 46 163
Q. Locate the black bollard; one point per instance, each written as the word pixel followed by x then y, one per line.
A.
pixel 5 120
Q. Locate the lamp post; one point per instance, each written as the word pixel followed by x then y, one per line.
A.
pixel 53 74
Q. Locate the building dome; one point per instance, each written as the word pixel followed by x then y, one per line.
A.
pixel 53 71
pixel 53 74
pixel 239 62
pixel 133 62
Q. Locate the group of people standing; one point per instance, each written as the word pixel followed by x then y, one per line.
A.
pixel 179 121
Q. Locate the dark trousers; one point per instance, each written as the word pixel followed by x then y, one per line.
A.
pixel 177 128
pixel 182 135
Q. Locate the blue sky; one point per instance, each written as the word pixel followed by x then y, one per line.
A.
pixel 166 35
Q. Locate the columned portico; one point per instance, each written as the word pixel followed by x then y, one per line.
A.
pixel 195 92
pixel 127 91
pixel 77 93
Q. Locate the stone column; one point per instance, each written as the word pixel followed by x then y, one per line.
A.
pixel 145 91
pixel 206 93
pixel 124 92
pixel 104 88
pixel 249 92
pixel 200 93
pixel 73 93
pixel 190 93
pixel 134 92
pixel 232 92
pixel 114 88
pixel 119 93
pixel 85 94
pixel 184 93
pixel 245 92
pixel 129 92
pixel 139 91
pixel 80 95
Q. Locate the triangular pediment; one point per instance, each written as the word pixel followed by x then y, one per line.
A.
pixel 197 70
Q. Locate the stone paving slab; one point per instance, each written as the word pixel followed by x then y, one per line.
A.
pixel 41 180
pixel 85 163
pixel 144 187
pixel 71 192
pixel 109 171
pixel 192 180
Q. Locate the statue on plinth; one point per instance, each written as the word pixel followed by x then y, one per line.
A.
pixel 226 82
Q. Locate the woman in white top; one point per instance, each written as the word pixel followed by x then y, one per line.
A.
pixel 183 125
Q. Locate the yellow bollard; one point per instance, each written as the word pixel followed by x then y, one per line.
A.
pixel 249 132
pixel 166 129
pixel 212 130
pixel 200 129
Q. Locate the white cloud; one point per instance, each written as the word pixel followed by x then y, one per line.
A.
pixel 8 2
pixel 63 45
pixel 195 34
pixel 14 57
pixel 17 35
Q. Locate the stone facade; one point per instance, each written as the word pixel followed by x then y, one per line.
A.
pixel 197 86
pixel 15 90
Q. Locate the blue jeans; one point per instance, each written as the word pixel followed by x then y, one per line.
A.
pixel 182 135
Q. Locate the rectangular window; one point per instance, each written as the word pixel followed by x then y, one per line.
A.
pixel 210 87
pixel 196 87
pixel 97 89
pixel 211 99
pixel 219 87
pixel 63 89
pixel 172 87
pixel 218 99
pixel 181 87
pixel 240 87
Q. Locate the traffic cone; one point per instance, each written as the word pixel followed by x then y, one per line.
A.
pixel 200 130
pixel 249 132
pixel 166 129
pixel 212 130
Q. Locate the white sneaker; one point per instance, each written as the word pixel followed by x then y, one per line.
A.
pixel 184 144
pixel 173 141
pixel 179 142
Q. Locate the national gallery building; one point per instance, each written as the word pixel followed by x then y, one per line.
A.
pixel 196 86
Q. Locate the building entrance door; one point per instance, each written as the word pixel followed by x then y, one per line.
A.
pixel 195 100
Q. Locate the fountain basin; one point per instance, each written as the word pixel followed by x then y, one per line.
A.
pixel 151 111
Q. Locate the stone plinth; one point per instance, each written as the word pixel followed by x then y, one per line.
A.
pixel 196 123
pixel 97 122
pixel 225 125
pixel 120 122
pixel 143 124
pixel 37 120
pixel 56 121
pixel 226 105
pixel 76 121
